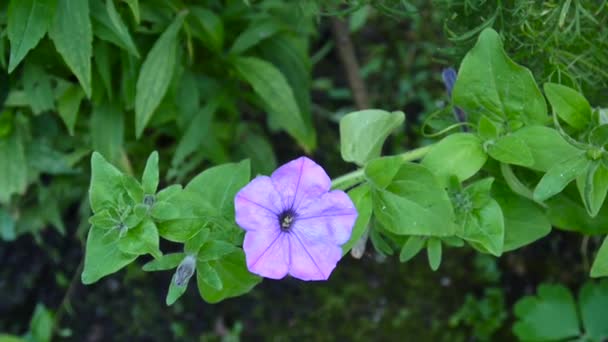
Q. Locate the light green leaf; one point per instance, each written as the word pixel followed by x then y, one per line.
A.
pixel 13 168
pixel 42 324
pixel 362 199
pixel 593 186
pixel 490 83
pixel 433 251
pixel 412 246
pixel 155 75
pixel 235 278
pixel 548 148
pixel 593 302
pixel 107 130
pixel 362 133
pixel 272 87
pixel 485 227
pixel 164 211
pixel 175 291
pixel 142 239
pixel 459 154
pixel 254 34
pixel 486 129
pixel 102 255
pixel 37 87
pixel 68 105
pixel 556 179
pixel 510 149
pixel 73 37
pixel 550 316
pixel 569 105
pixel 28 21
pixel 600 264
pixel 149 180
pixel 165 262
pixel 106 183
pixel 214 250
pixel 206 275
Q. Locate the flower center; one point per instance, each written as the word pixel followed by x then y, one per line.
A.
pixel 286 219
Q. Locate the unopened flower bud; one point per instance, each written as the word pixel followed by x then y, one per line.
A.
pixel 184 271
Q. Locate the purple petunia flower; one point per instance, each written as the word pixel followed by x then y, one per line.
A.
pixel 294 225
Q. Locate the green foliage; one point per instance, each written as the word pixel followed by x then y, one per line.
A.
pixel 553 314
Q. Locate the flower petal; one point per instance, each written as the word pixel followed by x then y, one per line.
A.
pixel 332 216
pixel 267 253
pixel 257 205
pixel 300 179
pixel 312 260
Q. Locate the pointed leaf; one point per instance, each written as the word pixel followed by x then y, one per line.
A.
pixel 600 264
pixel 412 246
pixel 68 105
pixel 433 250
pixel 149 180
pixel 102 256
pixel 510 149
pixel 569 105
pixel 559 176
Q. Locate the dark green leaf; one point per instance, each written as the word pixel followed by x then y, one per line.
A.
pixel 68 105
pixel 107 130
pixel 7 226
pixel 208 27
pixel 13 168
pixel 593 302
pixel 37 87
pixel 600 264
pixel 254 34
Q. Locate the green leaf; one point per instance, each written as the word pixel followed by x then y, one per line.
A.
pixel 459 154
pixel 120 28
pixel 42 324
pixel 567 213
pixel 218 185
pixel 485 227
pixel 103 63
pixel 490 83
pixel 593 302
pixel 547 146
pixel 412 246
pixel 102 255
pixel 149 180
pixel 593 186
pixel 175 291
pixel 234 276
pixel 550 316
pixel 214 250
pixel 524 221
pixel 134 6
pixel 28 21
pixel 569 105
pixel 511 150
pixel 272 87
pixel 108 26
pixel 37 87
pixel 379 243
pixel 106 183
pixel 556 179
pixel 599 136
pixel 164 211
pixel 143 239
pixel 208 27
pixel 600 264
pixel 133 188
pixel 68 105
pixel 107 130
pixel 155 75
pixel 486 129
pixel 7 226
pixel 363 133
pixel 194 244
pixel 433 251
pixel 73 37
pixel 165 262
pixel 206 275
pixel 198 130
pixel 408 200
pixel 254 34
pixel 362 199
pixel 13 168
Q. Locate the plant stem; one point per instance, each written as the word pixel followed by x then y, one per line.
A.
pixel 358 176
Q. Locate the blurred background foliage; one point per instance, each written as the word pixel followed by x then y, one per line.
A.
pixel 190 94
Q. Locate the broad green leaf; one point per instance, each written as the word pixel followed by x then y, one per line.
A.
pixel 490 83
pixel 272 87
pixel 218 185
pixel 143 239
pixel 548 148
pixel 524 220
pixel 13 168
pixel 168 192
pixel 106 183
pixel 361 197
pixel 175 291
pixel 182 229
pixel 569 105
pixel 234 276
pixel 165 262
pixel 433 251
pixel 103 219
pixel 73 37
pixel 214 250
pixel 206 275
pixel 411 201
pixel 486 129
pixel 485 227
pixel 412 246
pixel 37 87
pixel 149 180
pixel 556 179
pixel 459 154
pixel 479 192
pixel 254 34
pixel 600 264
pixel 107 130
pixel 28 21
pixel 68 106
pixel 549 316
pixel 593 186
pixel 593 302
pixel 164 211
pixel 362 133
pixel 155 75
pixel 102 255
pixel 510 149
pixel 194 244
pixel 42 324
pixel 208 27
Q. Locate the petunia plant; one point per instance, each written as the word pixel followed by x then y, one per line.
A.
pixel 514 169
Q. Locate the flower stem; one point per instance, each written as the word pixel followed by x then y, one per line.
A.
pixel 358 176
